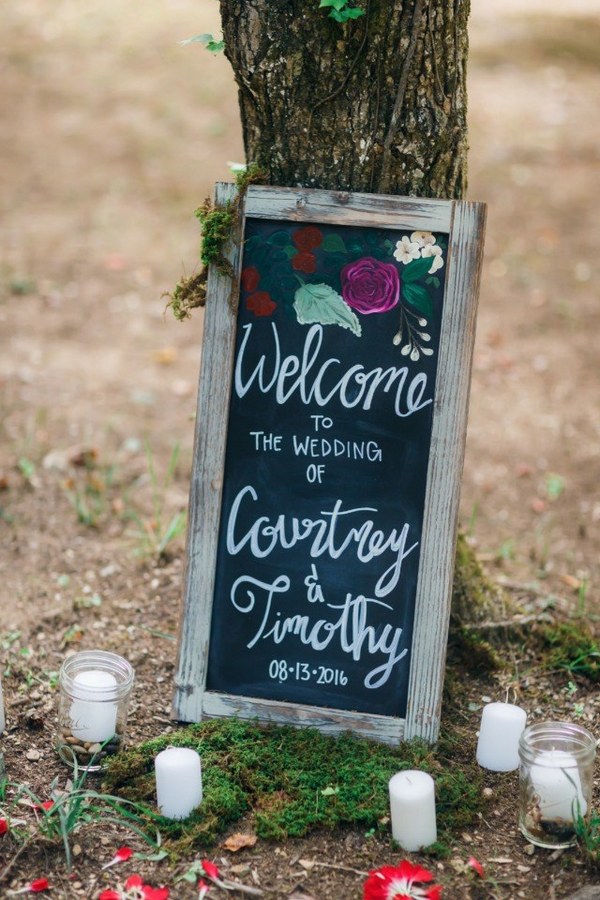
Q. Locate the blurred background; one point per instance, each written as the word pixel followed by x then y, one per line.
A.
pixel 112 133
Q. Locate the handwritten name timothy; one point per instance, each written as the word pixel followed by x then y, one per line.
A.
pixel 348 623
pixel 332 534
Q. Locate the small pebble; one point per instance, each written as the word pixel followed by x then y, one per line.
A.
pixel 33 755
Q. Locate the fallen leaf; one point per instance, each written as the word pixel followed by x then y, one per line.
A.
pixel 570 581
pixel 239 840
pixel 307 864
pixel 166 356
pixel 523 470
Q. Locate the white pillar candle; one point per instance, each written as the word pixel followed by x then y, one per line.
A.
pixel 93 712
pixel 412 807
pixel 178 782
pixel 555 779
pixel 501 727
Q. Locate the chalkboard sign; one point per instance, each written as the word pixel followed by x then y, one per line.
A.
pixel 329 447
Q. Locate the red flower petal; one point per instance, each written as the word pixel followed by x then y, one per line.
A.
pixel 476 866
pixel 38 885
pixel 397 882
pixel 413 873
pixel 109 895
pixel 250 278
pixel 210 869
pixel 260 303
pixel 3 826
pixel 304 262
pixel 46 805
pixel 308 238
pixel 434 893
pixel 151 893
pixel 134 881
pixel 122 855
pixel 203 889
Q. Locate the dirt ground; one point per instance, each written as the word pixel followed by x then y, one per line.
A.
pixel 111 134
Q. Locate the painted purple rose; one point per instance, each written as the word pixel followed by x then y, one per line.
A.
pixel 370 286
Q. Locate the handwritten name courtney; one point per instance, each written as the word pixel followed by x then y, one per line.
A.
pixel 334 532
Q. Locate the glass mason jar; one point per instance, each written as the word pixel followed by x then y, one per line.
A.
pixel 94 691
pixel 555 781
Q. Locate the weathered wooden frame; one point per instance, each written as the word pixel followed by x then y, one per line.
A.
pixel 464 224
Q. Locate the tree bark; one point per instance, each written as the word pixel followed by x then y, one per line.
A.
pixel 377 104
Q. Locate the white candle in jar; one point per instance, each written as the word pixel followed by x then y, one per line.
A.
pixel 498 745
pixel 93 711
pixel 556 782
pixel 412 808
pixel 178 772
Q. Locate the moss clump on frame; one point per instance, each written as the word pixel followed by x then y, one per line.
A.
pixel 218 224
pixel 293 781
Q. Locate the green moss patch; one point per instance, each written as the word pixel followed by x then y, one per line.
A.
pixel 571 646
pixel 291 780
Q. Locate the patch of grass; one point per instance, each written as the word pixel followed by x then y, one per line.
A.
pixel 154 535
pixel 66 811
pixel 293 781
pixel 572 647
pixel 588 836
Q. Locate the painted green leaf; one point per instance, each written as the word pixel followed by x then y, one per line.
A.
pixel 333 243
pixel 320 303
pixel 418 297
pixel 290 251
pixel 280 238
pixel 337 4
pixel 416 269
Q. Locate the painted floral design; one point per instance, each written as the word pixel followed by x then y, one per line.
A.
pixel 308 238
pixel 304 262
pixel 407 250
pixel 250 278
pixel 420 245
pixel 403 882
pixel 370 286
pixel 261 303
pixel 335 275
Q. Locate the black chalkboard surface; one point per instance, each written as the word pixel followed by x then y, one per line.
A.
pixel 324 529
pixel 326 463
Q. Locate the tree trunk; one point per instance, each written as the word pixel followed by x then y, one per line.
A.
pixel 377 104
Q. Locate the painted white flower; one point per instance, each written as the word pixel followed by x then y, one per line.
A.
pixel 406 251
pixel 435 252
pixel 422 238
